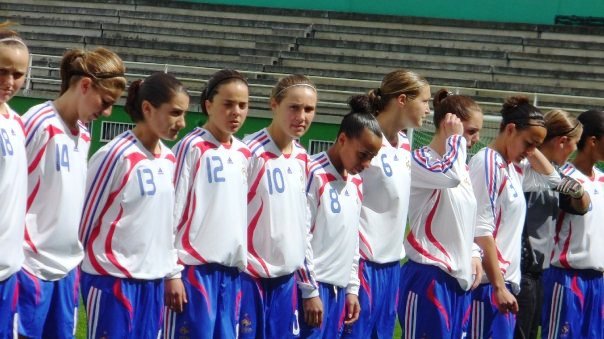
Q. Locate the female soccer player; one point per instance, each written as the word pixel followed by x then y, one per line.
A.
pixel 211 212
pixel 563 133
pixel 14 58
pixel 573 286
pixel 277 232
pixel 500 173
pixel 127 220
pixel 401 102
pixel 334 192
pixel 57 144
pixel 443 261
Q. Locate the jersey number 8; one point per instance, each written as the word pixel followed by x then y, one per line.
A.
pixel 5 145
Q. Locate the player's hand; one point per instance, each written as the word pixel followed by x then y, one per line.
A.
pixel 571 187
pixel 505 301
pixel 175 296
pixel 313 311
pixel 477 272
pixel 353 309
pixel 451 125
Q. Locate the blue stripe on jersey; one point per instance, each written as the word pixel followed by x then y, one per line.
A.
pixel 491 178
pixel 567 169
pixel 88 223
pixel 260 145
pixel 253 140
pixel 184 146
pixel 316 164
pixel 442 166
pixel 47 116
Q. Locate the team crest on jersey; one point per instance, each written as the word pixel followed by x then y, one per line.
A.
pixel 565 330
pixel 245 324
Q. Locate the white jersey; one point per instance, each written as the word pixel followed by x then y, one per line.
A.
pixel 387 185
pixel 127 228
pixel 276 208
pixel 334 204
pixel 13 193
pixel 498 187
pixel 57 162
pixel 442 211
pixel 211 200
pixel 577 237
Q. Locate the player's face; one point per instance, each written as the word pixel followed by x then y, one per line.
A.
pixel 95 102
pixel 472 127
pixel 416 109
pixel 295 112
pixel 169 118
pixel 523 143
pixel 229 107
pixel 13 67
pixel 356 153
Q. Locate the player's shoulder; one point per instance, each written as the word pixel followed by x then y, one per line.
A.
pixel 257 142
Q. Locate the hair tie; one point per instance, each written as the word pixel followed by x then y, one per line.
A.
pixel 294 85
pixel 14 39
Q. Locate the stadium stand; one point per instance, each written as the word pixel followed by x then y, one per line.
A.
pixel 345 53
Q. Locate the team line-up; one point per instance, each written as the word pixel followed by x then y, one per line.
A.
pixel 222 238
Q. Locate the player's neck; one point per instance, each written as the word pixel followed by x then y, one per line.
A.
pixel 65 106
pixel 336 161
pixel 388 127
pixel 584 162
pixel 498 145
pixel 222 137
pixel 283 141
pixel 148 139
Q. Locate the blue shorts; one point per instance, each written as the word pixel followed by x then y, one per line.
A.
pixel 378 297
pixel 486 321
pixel 269 307
pixel 573 303
pixel 431 303
pixel 48 308
pixel 122 308
pixel 214 296
pixel 333 299
pixel 9 294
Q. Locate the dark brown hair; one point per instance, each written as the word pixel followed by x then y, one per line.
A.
pixel 157 89
pixel 222 77
pixel 518 110
pixel 446 102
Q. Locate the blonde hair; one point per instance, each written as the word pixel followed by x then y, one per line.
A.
pixel 394 84
pixel 104 67
pixel 10 37
pixel 560 123
pixel 295 80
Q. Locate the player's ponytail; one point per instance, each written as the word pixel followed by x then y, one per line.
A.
pixel 157 89
pixel 518 110
pixel 394 84
pixel 446 102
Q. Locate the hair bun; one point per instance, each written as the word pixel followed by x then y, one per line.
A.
pixel 360 103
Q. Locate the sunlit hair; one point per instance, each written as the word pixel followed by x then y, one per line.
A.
pixel 102 66
pixel 394 84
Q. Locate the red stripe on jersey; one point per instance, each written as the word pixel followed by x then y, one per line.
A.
pixel 195 283
pixel 365 242
pixel 518 168
pixel 96 187
pixel 416 245
pixel 429 233
pixel 52 132
pixel 497 223
pixel 171 158
pixel 186 242
pixel 559 222
pixel 29 242
pixel 564 253
pixel 119 294
pixel 90 253
pixel 439 306
pixel 406 147
pixel 326 178
pixel 246 152
pixel 33 194
pixel 266 156
pixel 505 181
pixel 250 239
pixel 20 122
pixel 109 247
pixel 304 158
pixel 85 137
pixel 31 123
pixel 259 139
pixel 358 182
